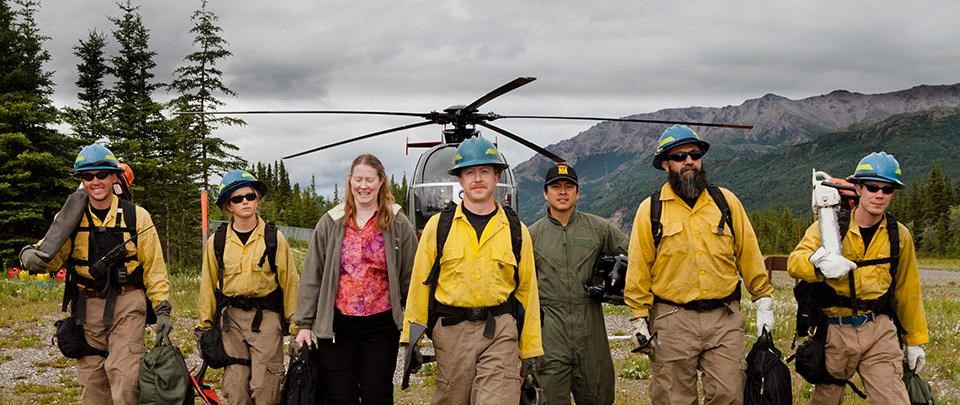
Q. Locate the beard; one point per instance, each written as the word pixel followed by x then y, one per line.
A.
pixel 686 186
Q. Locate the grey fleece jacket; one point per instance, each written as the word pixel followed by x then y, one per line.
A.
pixel 321 270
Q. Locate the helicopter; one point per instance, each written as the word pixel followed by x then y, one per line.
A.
pixel 431 187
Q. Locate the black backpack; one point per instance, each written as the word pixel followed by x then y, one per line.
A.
pixel 768 377
pixel 302 384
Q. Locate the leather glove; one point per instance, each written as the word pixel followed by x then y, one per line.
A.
pixel 832 265
pixel 765 318
pixel 528 368
pixel 34 260
pixel 916 358
pixel 641 331
pixel 163 326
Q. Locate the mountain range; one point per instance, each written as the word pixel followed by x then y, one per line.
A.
pixel 766 166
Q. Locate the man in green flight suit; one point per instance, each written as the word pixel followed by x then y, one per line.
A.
pixel 566 245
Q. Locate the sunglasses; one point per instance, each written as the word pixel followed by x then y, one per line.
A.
pixel 873 188
pixel 90 176
pixel 237 199
pixel 682 156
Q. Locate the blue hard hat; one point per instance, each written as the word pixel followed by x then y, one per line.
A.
pixel 236 179
pixel 878 167
pixel 675 136
pixel 476 151
pixel 95 157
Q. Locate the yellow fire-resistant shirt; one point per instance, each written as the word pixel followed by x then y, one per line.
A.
pixel 243 277
pixel 147 249
pixel 476 274
pixel 870 281
pixel 692 262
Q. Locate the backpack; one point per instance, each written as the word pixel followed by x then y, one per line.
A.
pixel 813 297
pixel 768 378
pixel 274 300
pixel 164 378
pixel 443 230
pixel 656 210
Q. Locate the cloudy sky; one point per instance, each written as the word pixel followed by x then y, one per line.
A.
pixel 601 58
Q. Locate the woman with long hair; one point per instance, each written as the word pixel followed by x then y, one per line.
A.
pixel 354 286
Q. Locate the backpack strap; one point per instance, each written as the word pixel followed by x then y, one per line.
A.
pixel 219 244
pixel 726 217
pixel 516 242
pixel 443 230
pixel 270 253
pixel 656 209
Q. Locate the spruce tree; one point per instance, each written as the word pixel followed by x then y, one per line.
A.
pixel 34 159
pixel 197 84
pixel 90 121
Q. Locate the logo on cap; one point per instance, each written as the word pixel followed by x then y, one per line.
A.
pixel 561 169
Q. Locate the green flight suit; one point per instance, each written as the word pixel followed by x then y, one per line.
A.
pixel 576 352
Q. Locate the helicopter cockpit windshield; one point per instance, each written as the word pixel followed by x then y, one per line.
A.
pixel 432 187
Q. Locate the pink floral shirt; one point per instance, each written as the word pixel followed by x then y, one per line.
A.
pixel 364 287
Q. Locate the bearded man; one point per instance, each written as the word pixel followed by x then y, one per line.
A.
pixel 689 253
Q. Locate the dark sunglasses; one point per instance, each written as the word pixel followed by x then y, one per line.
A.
pixel 90 176
pixel 873 188
pixel 682 156
pixel 237 199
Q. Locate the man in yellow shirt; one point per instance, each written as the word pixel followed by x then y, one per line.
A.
pixel 111 295
pixel 684 277
pixel 862 333
pixel 472 303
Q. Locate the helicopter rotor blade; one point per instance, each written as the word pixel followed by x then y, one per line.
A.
pixel 645 121
pixel 361 137
pixel 520 81
pixel 524 142
pixel 281 112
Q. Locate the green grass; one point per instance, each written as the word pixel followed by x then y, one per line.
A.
pixel 950 264
pixel 24 305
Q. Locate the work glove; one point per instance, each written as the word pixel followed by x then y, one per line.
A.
pixel 34 260
pixel 528 368
pixel 66 221
pixel 765 318
pixel 916 358
pixel 832 265
pixel 163 326
pixel 641 331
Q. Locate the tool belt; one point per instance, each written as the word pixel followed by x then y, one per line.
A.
pixel 271 302
pixel 450 315
pixel 705 305
pixel 120 290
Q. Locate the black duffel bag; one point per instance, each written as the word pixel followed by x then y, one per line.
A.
pixel 71 340
pixel 768 377
pixel 213 352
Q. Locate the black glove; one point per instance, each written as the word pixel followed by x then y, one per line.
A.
pixel 597 293
pixel 528 369
pixel 163 326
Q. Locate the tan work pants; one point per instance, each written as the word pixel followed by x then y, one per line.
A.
pixel 873 351
pixel 260 382
pixel 687 341
pixel 114 379
pixel 473 369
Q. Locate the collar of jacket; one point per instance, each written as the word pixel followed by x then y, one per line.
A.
pixel 257 232
pixel 336 213
pixel 111 214
pixel 573 217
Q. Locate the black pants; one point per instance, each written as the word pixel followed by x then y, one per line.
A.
pixel 359 366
